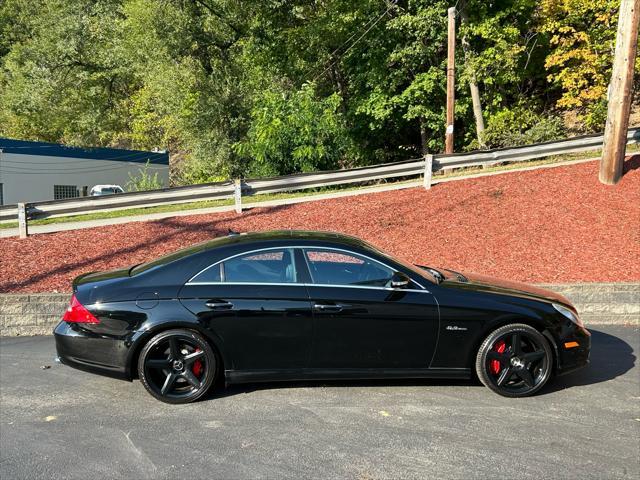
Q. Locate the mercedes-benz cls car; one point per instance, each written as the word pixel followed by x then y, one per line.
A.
pixel 298 305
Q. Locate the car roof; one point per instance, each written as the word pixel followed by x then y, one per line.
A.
pixel 302 234
pixel 253 237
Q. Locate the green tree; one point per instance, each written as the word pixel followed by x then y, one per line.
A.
pixel 266 87
pixel 64 77
pixel 579 62
pixel 131 73
pixel 295 132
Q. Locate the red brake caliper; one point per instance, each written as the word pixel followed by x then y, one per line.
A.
pixel 499 347
pixel 197 366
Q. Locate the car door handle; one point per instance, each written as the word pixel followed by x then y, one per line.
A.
pixel 212 304
pixel 324 307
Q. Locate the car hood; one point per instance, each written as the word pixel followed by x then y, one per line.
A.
pixel 485 283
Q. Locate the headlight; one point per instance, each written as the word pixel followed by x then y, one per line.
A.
pixel 569 314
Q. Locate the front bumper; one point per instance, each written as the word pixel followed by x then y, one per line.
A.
pixel 80 348
pixel 571 356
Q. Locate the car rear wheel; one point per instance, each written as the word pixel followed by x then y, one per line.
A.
pixel 177 366
pixel 514 360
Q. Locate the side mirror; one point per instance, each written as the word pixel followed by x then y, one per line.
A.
pixel 399 280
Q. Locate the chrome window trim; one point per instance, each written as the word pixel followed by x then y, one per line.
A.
pixel 303 247
pixel 272 284
pixel 367 287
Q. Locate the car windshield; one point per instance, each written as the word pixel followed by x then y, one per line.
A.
pixel 419 271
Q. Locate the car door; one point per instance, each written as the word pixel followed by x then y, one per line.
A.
pixel 255 304
pixel 360 322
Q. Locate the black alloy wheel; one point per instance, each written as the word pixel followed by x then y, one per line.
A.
pixel 515 360
pixel 177 366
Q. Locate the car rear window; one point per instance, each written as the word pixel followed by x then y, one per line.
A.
pixel 171 257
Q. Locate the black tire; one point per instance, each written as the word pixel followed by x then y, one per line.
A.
pixel 177 366
pixel 514 361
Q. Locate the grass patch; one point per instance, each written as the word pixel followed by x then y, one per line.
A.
pixel 177 207
pixel 633 148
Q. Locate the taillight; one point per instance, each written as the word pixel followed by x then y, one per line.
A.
pixel 76 313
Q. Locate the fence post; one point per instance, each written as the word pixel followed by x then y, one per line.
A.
pixel 23 227
pixel 237 194
pixel 428 170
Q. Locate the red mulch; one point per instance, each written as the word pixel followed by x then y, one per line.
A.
pixel 549 225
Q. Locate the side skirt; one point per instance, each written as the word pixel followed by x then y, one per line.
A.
pixel 251 376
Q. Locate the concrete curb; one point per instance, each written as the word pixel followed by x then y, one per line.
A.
pixel 25 314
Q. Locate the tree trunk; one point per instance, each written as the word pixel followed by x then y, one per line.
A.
pixel 473 85
pixel 338 78
pixel 423 138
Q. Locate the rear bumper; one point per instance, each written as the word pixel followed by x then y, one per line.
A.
pixel 80 348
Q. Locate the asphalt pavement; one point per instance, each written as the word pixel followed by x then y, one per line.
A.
pixel 61 423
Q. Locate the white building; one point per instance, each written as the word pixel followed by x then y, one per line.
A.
pixel 38 171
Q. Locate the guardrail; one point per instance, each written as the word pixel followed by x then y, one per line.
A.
pixel 248 187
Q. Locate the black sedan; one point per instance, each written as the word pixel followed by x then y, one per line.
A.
pixel 296 305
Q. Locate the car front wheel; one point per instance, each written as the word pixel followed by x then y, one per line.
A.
pixel 514 361
pixel 177 366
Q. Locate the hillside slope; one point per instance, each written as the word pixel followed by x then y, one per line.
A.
pixel 551 225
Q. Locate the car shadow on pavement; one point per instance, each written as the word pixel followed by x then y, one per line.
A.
pixel 239 389
pixel 610 357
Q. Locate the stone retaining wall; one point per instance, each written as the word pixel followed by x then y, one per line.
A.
pixel 31 314
pixel 603 303
pixel 597 303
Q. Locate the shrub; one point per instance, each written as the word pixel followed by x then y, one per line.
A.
pixel 520 125
pixel 144 180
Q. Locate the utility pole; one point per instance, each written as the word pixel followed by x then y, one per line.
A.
pixel 619 94
pixel 473 83
pixel 451 59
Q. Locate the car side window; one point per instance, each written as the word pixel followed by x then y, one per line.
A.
pixel 331 267
pixel 267 266
pixel 213 274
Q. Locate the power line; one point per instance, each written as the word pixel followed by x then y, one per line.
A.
pixel 350 37
pixel 370 27
pixel 44 172
pixel 138 152
pixel 17 171
pixel 71 163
